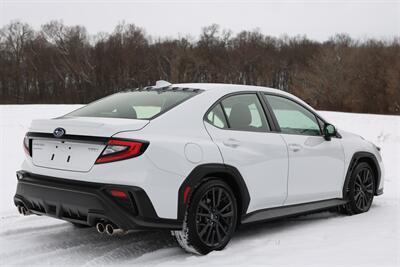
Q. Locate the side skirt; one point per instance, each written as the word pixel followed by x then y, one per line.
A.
pixel 285 211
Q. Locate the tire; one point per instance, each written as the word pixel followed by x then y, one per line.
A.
pixel 360 190
pixel 210 218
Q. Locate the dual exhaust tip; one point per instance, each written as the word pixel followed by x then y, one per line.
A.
pixel 100 227
pixel 108 228
pixel 23 211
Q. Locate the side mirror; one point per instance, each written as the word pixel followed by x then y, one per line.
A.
pixel 329 131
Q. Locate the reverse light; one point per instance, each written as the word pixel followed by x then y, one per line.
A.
pixel 121 149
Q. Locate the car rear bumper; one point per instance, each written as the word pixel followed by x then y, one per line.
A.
pixel 88 203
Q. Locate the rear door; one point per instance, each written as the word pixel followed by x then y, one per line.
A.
pixel 238 125
pixel 316 166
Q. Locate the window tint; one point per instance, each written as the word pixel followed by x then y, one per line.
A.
pixel 216 117
pixel 292 117
pixel 134 104
pixel 244 112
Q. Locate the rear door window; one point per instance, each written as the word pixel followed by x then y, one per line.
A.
pixel 239 112
pixel 217 118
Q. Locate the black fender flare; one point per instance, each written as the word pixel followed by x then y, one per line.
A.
pixel 357 157
pixel 229 174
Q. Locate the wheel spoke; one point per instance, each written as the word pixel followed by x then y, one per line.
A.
pixel 219 237
pixel 219 197
pixel 365 177
pixel 213 197
pixel 226 206
pixel 203 231
pixel 369 191
pixel 365 201
pixel 228 214
pixel 209 234
pixel 360 201
pixel 213 236
pixel 222 227
pixel 356 196
pixel 358 183
pixel 206 215
pixel 204 206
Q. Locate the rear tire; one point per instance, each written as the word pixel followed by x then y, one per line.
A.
pixel 360 190
pixel 210 219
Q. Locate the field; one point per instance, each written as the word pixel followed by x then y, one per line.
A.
pixel 321 239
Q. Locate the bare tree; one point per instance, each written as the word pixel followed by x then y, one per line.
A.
pixel 64 64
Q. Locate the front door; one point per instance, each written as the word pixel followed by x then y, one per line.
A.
pixel 316 166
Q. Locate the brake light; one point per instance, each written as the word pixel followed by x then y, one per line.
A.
pixel 121 149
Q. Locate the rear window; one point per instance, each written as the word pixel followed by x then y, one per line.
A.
pixel 142 105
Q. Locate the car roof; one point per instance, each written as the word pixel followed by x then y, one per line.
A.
pixel 231 88
pixel 228 87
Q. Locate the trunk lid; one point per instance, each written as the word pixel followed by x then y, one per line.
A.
pixel 90 126
pixel 80 152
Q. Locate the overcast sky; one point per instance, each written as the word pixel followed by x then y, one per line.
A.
pixel 316 19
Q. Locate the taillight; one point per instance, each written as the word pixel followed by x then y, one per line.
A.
pixel 26 145
pixel 121 149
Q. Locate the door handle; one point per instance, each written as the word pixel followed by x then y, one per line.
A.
pixel 231 143
pixel 295 147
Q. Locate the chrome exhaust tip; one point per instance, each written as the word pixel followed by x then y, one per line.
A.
pixel 23 211
pixel 110 230
pixel 100 228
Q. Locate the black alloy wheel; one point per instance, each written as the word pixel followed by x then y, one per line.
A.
pixel 210 219
pixel 360 190
pixel 364 189
pixel 215 216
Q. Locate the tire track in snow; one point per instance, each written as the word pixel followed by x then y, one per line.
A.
pixel 62 244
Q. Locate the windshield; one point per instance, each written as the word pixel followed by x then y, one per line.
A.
pixel 140 105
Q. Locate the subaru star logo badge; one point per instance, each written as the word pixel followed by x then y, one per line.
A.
pixel 58 132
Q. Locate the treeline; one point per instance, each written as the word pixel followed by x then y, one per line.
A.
pixel 64 64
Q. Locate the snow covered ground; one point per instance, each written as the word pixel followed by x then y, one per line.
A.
pixel 321 239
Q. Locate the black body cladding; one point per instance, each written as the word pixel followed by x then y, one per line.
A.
pixel 87 203
pixel 372 161
pixel 227 173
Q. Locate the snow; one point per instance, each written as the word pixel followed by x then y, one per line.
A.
pixel 320 239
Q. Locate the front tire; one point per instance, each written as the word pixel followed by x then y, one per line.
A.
pixel 210 219
pixel 360 190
